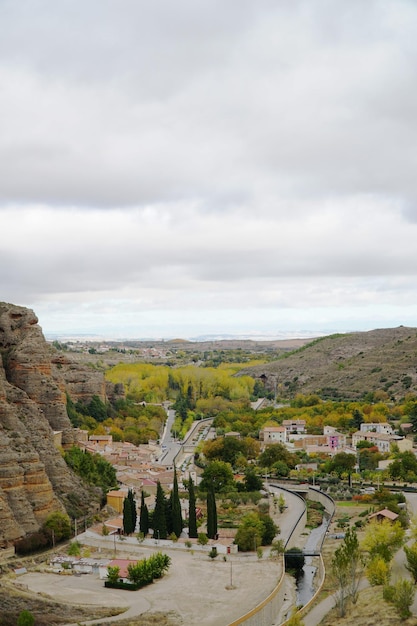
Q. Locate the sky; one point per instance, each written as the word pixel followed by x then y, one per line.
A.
pixel 206 167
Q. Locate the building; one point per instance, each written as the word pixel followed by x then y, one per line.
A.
pixel 382 441
pixel 115 499
pixel 296 427
pixel 273 434
pixel 375 427
pixel 384 514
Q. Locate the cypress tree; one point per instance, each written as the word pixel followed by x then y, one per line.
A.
pixel 134 514
pixel 127 516
pixel 159 515
pixel 192 518
pixel 144 516
pixel 211 515
pixel 176 508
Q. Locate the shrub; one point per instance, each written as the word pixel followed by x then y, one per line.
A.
pixel 202 539
pixel 25 619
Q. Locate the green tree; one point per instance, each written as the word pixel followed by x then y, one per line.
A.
pixel 144 516
pixel 159 515
pixel 192 516
pixel 402 596
pixel 270 529
pixel 177 523
pixel 128 527
pixel 411 556
pixel 252 481
pixel 219 477
pixel 25 619
pixel 294 560
pixel 211 515
pixel 249 534
pixel 58 526
pixel 347 568
pixel 113 573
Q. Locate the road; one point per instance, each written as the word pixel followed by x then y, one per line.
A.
pixel 170 447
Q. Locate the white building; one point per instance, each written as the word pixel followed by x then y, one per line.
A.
pixel 383 428
pixel 273 434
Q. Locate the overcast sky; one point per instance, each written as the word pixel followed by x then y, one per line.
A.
pixel 205 167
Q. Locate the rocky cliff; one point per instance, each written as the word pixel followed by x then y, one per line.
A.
pixel 34 478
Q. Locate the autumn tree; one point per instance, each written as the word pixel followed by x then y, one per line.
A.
pixel 383 539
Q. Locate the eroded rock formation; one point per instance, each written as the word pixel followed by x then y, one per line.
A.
pixel 34 478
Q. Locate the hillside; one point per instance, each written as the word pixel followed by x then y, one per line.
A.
pixel 347 366
pixel 34 478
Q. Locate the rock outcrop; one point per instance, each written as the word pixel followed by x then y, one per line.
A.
pixel 34 478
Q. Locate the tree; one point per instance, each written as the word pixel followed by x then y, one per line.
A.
pixel 25 619
pixel 341 463
pixel 159 515
pixel 402 597
pixel 113 573
pixel 219 477
pixel 128 527
pixel 347 569
pixel 383 539
pixel 176 508
pixel 340 573
pixel 192 516
pixel 252 481
pixel 131 497
pixel 211 515
pixel 144 516
pixel 58 525
pixel 250 532
pixel 378 571
pixel 270 530
pixel 294 560
pixel 411 556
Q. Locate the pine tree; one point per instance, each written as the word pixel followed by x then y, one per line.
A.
pixel 144 516
pixel 211 515
pixel 159 515
pixel 176 508
pixel 192 518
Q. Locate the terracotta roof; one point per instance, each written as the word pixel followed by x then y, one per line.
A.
pixel 385 513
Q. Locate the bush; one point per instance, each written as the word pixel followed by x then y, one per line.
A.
pixel 294 560
pixel 213 552
pixel 25 619
pixel 202 539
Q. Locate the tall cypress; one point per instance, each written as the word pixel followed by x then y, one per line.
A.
pixel 159 515
pixel 127 516
pixel 192 517
pixel 144 516
pixel 211 515
pixel 134 513
pixel 176 508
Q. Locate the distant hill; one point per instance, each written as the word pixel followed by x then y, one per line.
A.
pixel 347 366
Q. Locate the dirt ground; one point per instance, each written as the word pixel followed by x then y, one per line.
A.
pixel 196 590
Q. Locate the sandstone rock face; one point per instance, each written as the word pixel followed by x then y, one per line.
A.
pixel 34 478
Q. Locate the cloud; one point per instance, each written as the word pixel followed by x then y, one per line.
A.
pixel 167 159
